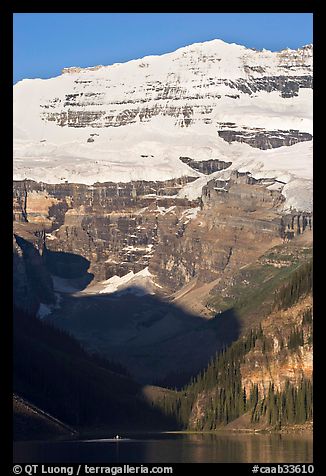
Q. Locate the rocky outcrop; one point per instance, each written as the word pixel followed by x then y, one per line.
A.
pixel 30 422
pixel 261 138
pixel 278 363
pixel 73 114
pixel 288 86
pixel 296 223
pixel 206 167
pixel 242 190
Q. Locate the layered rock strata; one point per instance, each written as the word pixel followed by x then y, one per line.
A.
pixel 126 227
pixel 114 226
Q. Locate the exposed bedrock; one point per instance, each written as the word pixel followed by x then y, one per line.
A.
pixel 114 226
pixel 239 220
pixel 263 139
pixel 89 106
pixel 296 223
pixel 41 202
pixel 120 228
pixel 206 167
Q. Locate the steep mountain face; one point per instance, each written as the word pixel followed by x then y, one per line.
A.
pixel 121 227
pixel 237 222
pixel 115 226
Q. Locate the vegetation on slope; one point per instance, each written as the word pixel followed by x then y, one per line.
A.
pixel 292 405
pixel 251 292
pixel 217 396
pixel 298 284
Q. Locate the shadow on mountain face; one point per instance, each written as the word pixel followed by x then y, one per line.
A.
pixel 226 324
pixel 30 265
pixel 150 336
pixel 52 371
pixel 67 265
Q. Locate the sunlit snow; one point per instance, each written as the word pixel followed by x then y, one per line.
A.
pixel 150 149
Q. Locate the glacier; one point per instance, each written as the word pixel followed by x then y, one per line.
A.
pixel 134 120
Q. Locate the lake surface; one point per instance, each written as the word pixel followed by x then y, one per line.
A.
pixel 171 448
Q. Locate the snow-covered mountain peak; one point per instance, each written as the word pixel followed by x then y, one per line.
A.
pixel 212 46
pixel 134 120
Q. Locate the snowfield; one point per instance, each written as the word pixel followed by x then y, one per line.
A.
pixel 149 148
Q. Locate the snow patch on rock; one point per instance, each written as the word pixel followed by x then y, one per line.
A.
pixel 140 284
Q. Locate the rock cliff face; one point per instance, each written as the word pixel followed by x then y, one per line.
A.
pixel 262 138
pixel 239 219
pixel 206 167
pixel 127 227
pixel 114 226
pixel 133 106
pixel 280 364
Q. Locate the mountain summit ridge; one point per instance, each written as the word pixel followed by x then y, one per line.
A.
pixel 197 45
